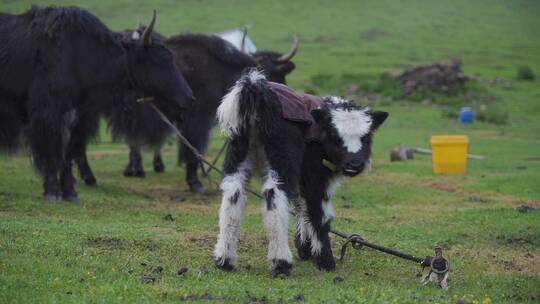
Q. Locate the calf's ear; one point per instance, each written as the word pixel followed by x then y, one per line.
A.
pixel 378 118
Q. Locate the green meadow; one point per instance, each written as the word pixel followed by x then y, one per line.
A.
pixel 102 249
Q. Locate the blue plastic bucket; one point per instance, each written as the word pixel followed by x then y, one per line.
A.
pixel 466 115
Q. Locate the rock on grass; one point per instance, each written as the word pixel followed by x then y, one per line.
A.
pixel 148 278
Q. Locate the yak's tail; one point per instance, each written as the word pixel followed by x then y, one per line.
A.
pixel 11 130
pixel 249 103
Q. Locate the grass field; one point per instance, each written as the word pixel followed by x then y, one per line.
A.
pixel 99 249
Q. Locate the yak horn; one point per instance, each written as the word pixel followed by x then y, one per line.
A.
pixel 287 57
pixel 147 35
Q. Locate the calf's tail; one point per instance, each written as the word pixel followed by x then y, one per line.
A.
pixel 249 104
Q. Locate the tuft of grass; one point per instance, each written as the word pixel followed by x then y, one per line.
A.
pixel 525 73
pixel 494 113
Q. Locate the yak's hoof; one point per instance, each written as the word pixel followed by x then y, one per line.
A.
pixel 52 198
pixel 71 197
pixel 326 263
pixel 132 172
pixel 90 181
pixel 281 267
pixel 224 264
pixel 196 187
pixel 159 167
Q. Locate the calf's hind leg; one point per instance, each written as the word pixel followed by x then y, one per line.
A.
pixel 276 220
pixel 233 203
pixel 283 149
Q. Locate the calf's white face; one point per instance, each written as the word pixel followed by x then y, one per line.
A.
pixel 347 132
pixel 351 126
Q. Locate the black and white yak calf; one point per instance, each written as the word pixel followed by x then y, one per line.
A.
pixel 303 144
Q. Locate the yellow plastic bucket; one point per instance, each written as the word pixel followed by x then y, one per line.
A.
pixel 449 153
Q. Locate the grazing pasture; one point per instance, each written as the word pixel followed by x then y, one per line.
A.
pixel 119 244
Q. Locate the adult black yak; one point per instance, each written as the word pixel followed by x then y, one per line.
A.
pixel 304 144
pixel 211 66
pixel 51 60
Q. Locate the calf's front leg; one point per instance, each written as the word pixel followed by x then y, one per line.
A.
pixel 314 217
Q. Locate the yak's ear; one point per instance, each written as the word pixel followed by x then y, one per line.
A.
pixel 284 68
pixel 318 114
pixel 125 41
pixel 378 118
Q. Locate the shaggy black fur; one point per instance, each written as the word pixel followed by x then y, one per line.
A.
pixel 52 61
pixel 210 65
pixel 12 121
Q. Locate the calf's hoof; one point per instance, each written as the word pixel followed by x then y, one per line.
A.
pixel 224 264
pixel 281 267
pixel 304 249
pixel 326 263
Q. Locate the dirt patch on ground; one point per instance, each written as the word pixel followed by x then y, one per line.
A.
pixel 206 297
pixel 104 153
pixel 443 187
pixel 373 34
pixel 203 238
pixel 174 194
pixel 192 207
pixel 247 239
pixel 113 243
pixel 413 181
pixel 499 261
pixel 510 199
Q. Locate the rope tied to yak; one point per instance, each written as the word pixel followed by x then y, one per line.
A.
pixel 434 269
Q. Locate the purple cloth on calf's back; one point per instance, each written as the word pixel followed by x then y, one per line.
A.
pixel 297 107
